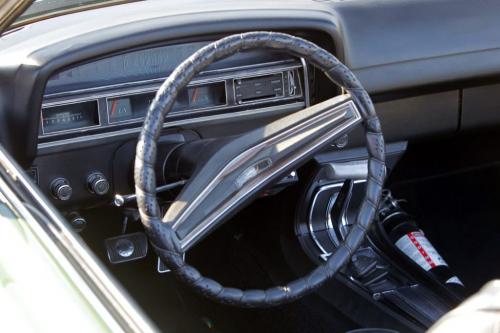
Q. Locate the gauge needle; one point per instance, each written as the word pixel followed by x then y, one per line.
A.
pixel 195 96
pixel 113 107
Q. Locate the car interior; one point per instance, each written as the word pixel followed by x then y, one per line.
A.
pixel 207 152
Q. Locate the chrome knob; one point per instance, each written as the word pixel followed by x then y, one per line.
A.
pixel 97 183
pixel 77 221
pixel 124 247
pixel 60 188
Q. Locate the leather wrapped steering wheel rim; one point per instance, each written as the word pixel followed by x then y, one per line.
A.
pixel 162 236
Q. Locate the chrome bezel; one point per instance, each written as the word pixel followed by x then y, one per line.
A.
pixel 249 75
pixel 72 102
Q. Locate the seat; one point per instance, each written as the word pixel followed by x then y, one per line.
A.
pixel 480 313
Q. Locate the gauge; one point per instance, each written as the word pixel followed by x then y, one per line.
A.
pixel 69 117
pixel 134 107
pixel 208 95
pixel 119 109
pixel 199 96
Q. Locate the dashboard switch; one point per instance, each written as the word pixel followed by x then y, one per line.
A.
pixel 97 183
pixel 77 221
pixel 60 188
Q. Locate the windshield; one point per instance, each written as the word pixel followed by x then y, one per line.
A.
pixel 43 8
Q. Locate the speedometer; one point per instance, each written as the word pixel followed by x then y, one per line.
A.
pixel 69 117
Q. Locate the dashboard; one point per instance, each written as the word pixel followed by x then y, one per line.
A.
pixel 113 93
pixel 102 103
pixel 72 103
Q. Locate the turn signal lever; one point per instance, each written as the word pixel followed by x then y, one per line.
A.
pixel 122 200
pixel 184 160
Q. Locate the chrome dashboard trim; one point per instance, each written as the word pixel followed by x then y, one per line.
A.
pixel 199 120
pixel 156 83
pixel 307 96
pixel 197 82
pixel 328 223
pixel 310 227
pixel 162 79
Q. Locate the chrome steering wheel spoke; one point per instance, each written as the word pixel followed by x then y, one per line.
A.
pixel 246 165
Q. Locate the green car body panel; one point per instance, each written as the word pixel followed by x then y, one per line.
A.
pixel 35 289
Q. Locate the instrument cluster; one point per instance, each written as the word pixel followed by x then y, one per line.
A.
pixel 77 105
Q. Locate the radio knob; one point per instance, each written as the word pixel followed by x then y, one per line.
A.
pixel 61 190
pixel 97 183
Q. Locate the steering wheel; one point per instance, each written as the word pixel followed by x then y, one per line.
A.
pixel 242 167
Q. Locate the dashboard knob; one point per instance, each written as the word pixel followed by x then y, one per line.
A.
pixel 97 183
pixel 77 221
pixel 60 188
